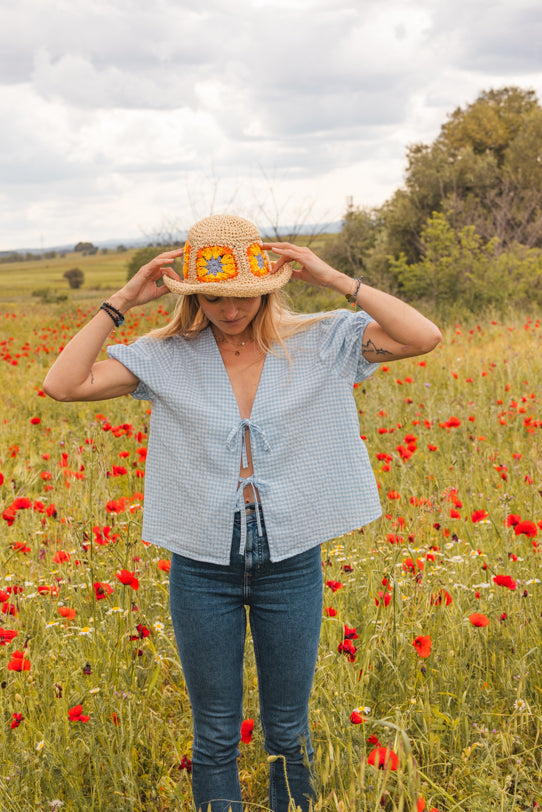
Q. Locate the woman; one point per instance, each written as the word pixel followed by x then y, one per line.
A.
pixel 254 460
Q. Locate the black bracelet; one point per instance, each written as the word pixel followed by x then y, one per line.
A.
pixel 115 314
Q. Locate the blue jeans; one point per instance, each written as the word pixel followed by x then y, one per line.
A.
pixel 208 609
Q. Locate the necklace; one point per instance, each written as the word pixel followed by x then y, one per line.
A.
pixel 232 345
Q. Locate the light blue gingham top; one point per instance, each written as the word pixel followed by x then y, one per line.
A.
pixel 311 468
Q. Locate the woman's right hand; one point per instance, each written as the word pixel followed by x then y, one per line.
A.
pixel 142 287
pixel 76 374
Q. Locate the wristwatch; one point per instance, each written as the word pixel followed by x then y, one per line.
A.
pixel 352 298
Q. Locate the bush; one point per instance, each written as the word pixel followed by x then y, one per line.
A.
pixel 142 256
pixel 460 268
pixel 75 277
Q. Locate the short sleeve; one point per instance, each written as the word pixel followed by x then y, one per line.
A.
pixel 140 359
pixel 340 344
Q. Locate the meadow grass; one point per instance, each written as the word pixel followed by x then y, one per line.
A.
pixel 107 271
pixel 454 439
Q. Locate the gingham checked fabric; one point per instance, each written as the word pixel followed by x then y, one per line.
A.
pixel 311 468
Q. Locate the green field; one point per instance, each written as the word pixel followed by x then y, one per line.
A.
pixel 102 271
pixel 455 442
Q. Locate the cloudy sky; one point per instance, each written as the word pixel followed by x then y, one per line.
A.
pixel 132 118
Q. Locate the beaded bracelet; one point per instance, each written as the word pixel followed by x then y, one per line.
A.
pixel 115 314
pixel 352 298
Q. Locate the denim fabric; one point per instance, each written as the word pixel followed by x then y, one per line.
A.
pixel 208 609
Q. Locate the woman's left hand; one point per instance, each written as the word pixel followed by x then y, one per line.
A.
pixel 397 330
pixel 313 269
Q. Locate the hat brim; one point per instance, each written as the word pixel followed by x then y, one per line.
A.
pixel 259 285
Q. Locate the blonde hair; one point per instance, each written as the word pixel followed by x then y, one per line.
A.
pixel 272 324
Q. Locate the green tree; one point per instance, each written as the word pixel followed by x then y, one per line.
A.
pixel 142 256
pixel 460 270
pixel 75 277
pixel 85 248
pixel 350 250
pixel 484 169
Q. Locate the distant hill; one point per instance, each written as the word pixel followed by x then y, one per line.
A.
pixel 132 242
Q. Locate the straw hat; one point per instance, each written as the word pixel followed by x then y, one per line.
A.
pixel 223 257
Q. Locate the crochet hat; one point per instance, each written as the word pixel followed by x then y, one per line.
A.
pixel 223 256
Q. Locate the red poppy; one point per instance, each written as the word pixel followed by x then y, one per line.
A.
pixel 61 557
pixel 247 726
pixel 350 633
pixel 410 566
pixel 17 719
pixel 452 423
pixel 442 597
pixel 505 580
pixel 102 590
pixel 128 579
pixel 117 470
pixel 329 611
pixel 384 758
pixel 76 714
pixel 526 528
pixel 383 596
pixel 6 636
pixel 356 718
pixel 479 516
pixel 18 662
pixel 347 647
pixel 142 632
pixel 373 739
pixel 45 589
pixel 186 764
pixel 66 612
pixel 478 619
pixel 334 585
pixel 116 505
pixel 423 645
pixel 164 565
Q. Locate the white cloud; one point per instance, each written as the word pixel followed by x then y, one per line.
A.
pixel 121 113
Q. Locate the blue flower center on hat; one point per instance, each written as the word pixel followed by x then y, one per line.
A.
pixel 214 267
pixel 215 263
pixel 259 264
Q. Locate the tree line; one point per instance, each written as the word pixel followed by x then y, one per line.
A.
pixel 464 233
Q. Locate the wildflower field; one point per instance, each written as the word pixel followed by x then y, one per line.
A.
pixel 428 689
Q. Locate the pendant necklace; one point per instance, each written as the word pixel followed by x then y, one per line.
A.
pixel 235 347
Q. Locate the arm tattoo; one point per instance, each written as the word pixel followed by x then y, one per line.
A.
pixel 370 346
pixel 91 376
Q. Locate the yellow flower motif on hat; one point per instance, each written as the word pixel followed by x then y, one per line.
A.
pixel 259 264
pixel 215 263
pixel 186 259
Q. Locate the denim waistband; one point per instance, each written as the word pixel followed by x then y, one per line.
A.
pixel 250 508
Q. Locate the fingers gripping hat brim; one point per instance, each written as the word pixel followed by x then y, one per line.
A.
pixel 223 256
